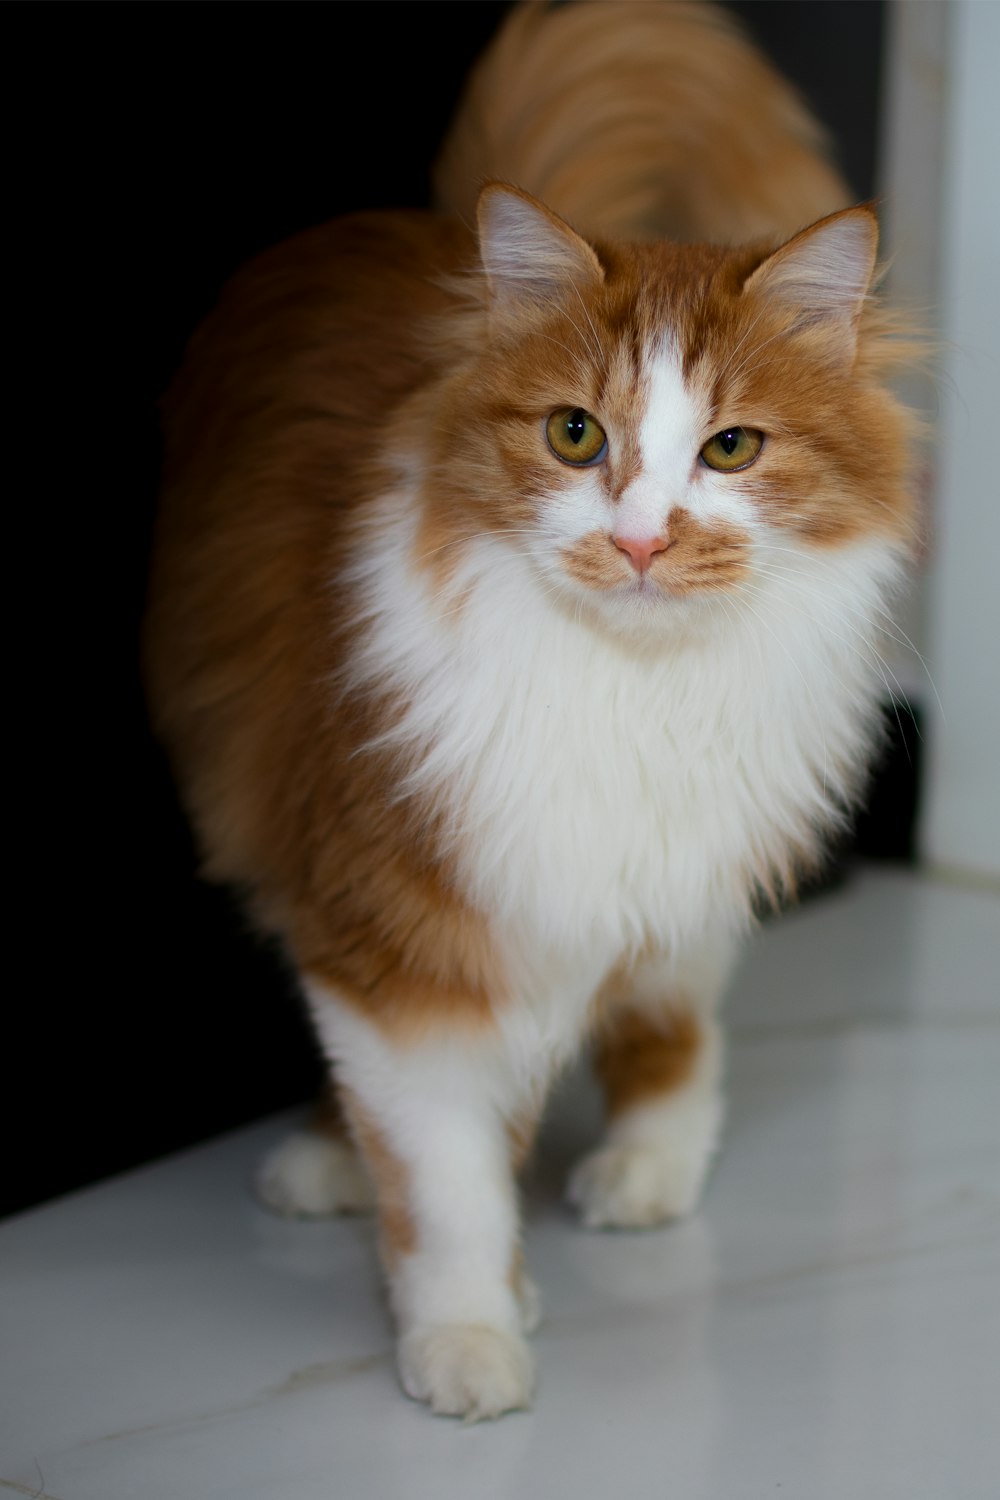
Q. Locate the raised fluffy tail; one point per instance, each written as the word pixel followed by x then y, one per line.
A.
pixel 639 118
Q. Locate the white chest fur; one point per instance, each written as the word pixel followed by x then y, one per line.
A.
pixel 598 795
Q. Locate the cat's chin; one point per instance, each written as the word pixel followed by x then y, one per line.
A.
pixel 643 612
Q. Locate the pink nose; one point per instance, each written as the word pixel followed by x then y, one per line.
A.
pixel 640 550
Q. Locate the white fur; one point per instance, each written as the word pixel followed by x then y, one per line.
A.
pixel 441 1108
pixel 309 1175
pixel 466 1371
pixel 674 428
pixel 602 791
pixel 676 423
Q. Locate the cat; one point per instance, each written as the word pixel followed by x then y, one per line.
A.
pixel 512 624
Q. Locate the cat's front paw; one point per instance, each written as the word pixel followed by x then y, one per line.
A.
pixel 310 1175
pixel 466 1370
pixel 636 1186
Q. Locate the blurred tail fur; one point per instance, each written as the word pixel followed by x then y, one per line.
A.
pixel 639 118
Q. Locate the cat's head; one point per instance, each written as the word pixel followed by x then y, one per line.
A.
pixel 657 425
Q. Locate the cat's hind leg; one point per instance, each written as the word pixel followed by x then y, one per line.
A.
pixel 316 1171
pixel 432 1116
pixel 658 1056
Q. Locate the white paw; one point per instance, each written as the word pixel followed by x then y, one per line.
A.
pixel 466 1370
pixel 636 1186
pixel 310 1175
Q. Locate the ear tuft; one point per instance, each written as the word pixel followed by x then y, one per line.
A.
pixel 529 254
pixel 824 272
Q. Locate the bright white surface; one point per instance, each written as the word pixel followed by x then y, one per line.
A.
pixel 962 826
pixel 910 191
pixel 827 1327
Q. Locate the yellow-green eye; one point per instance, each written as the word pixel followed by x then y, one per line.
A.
pixel 732 449
pixel 575 437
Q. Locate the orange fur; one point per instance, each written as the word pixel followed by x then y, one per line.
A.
pixel 399 1236
pixel 603 122
pixel 638 1059
pixel 328 1117
pixel 244 638
pixel 277 435
pixel 392 366
pixel 243 634
pixel 521 1131
pixel 288 386
pixel 697 556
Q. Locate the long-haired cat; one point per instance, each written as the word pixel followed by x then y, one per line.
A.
pixel 511 629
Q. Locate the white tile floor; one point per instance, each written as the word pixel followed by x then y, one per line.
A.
pixel 827 1327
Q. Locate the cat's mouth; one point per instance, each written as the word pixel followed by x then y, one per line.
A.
pixel 644 588
pixel 663 585
pixel 667 594
pixel 700 559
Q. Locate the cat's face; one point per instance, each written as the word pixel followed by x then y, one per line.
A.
pixel 660 427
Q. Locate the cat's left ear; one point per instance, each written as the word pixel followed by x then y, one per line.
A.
pixel 529 254
pixel 825 273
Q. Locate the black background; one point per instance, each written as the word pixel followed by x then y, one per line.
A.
pixel 155 148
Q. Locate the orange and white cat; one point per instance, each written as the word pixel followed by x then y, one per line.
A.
pixel 512 629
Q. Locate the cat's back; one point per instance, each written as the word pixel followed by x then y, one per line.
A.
pixel 640 118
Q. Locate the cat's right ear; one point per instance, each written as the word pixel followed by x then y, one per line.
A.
pixel 529 254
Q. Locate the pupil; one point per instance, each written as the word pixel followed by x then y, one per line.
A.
pixel 729 442
pixel 576 424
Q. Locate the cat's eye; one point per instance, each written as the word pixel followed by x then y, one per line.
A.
pixel 733 448
pixel 575 437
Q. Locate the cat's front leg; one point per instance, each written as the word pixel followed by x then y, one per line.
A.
pixel 658 1055
pixel 430 1114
